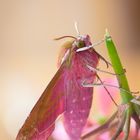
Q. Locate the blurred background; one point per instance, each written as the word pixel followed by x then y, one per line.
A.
pixel 28 53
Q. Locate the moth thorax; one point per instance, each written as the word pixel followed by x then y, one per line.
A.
pixel 82 41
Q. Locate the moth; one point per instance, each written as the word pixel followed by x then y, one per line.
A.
pixel 65 94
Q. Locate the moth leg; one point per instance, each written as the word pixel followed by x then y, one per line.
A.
pixel 103 71
pixel 136 94
pixel 106 89
pixel 99 84
pixel 135 101
pixel 108 63
pixel 103 127
pixel 93 45
pixel 102 58
pixel 109 85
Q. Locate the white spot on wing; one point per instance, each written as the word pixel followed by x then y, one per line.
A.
pixel 84 98
pixel 81 120
pixel 71 121
pixel 74 100
pixel 71 111
pixel 83 111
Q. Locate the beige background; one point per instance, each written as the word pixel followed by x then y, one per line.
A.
pixel 28 54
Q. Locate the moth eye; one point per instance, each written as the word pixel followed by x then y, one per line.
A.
pixel 80 44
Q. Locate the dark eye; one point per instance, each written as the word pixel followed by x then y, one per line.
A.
pixel 81 44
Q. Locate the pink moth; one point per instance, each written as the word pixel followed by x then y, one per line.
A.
pixel 65 94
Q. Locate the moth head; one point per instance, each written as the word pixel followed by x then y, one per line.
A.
pixel 82 41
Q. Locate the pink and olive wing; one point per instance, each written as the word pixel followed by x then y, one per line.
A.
pixel 40 123
pixel 79 98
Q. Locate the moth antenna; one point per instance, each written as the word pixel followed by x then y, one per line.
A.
pixel 66 36
pixel 91 46
pixel 76 28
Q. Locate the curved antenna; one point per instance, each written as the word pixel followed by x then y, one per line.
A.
pixel 76 28
pixel 66 36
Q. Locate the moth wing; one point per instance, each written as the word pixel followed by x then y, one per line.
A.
pixel 41 121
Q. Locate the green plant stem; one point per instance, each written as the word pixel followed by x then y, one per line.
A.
pixel 118 68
